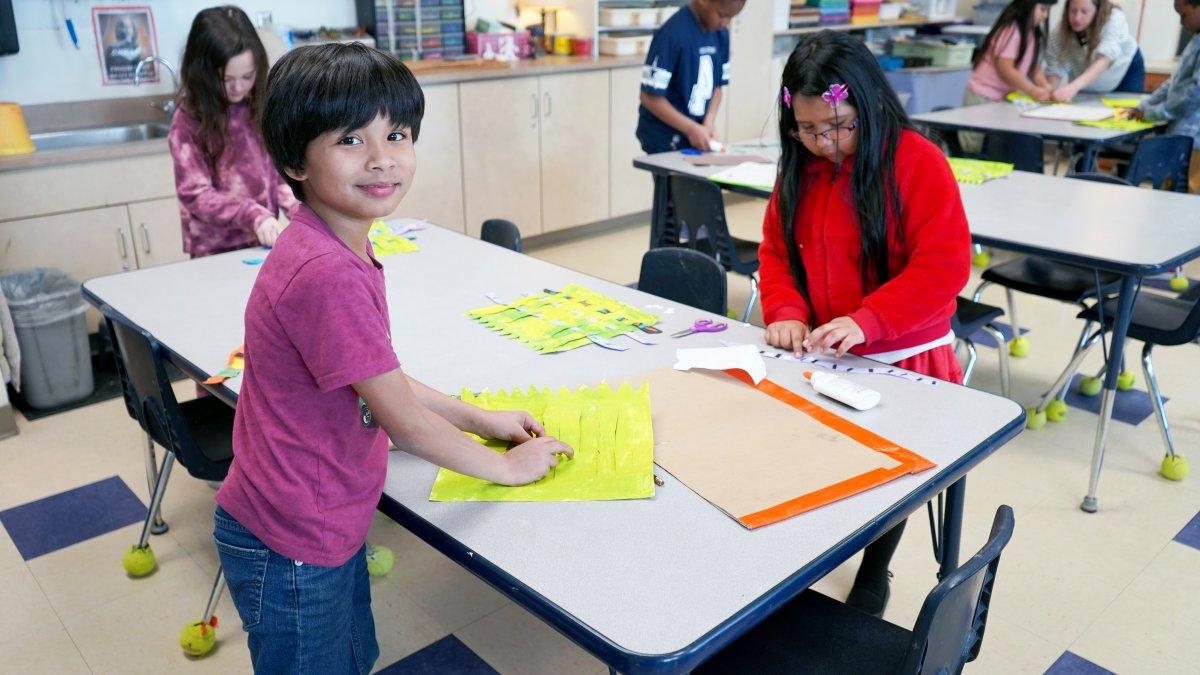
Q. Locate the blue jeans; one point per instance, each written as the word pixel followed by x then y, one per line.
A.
pixel 300 618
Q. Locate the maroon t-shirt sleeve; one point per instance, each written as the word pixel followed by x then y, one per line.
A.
pixel 337 322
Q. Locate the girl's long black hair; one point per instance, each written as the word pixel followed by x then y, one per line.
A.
pixel 819 60
pixel 1019 12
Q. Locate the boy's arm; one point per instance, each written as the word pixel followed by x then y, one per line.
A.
pixel 658 106
pixel 514 425
pixel 714 105
pixel 420 431
pixel 1171 101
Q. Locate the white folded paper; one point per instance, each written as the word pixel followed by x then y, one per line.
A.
pixel 741 357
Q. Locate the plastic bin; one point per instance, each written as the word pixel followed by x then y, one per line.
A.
pixel 47 311
pixel 939 53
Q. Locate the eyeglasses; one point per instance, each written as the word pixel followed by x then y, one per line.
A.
pixel 831 134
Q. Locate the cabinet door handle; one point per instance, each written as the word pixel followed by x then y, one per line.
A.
pixel 146 238
pixel 535 110
pixel 549 102
pixel 124 244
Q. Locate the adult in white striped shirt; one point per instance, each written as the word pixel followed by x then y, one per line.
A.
pixel 1090 49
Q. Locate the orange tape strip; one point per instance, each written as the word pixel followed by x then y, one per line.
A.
pixel 910 462
pixel 233 368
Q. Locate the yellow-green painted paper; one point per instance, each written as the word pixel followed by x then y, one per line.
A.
pixel 1119 125
pixel 610 431
pixel 1130 102
pixel 384 242
pixel 557 321
pixel 977 171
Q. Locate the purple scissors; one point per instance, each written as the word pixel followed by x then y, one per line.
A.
pixel 702 326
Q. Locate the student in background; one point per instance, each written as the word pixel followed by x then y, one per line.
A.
pixel 1090 49
pixel 230 194
pixel 1009 60
pixel 1178 99
pixel 323 390
pixel 685 72
pixel 865 241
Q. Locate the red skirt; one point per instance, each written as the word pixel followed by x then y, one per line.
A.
pixel 939 362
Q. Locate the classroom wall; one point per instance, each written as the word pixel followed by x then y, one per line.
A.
pixel 48 69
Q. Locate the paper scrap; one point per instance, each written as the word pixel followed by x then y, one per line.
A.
pixel 741 357
pixel 977 171
pixel 385 242
pixel 610 430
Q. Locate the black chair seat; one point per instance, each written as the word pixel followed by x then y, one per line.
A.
pixel 970 316
pixel 747 253
pixel 815 634
pixel 209 419
pixel 1049 279
pixel 1157 319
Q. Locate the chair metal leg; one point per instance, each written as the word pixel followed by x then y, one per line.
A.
pixel 1012 312
pixel 215 596
pixel 972 358
pixel 1083 335
pixel 156 497
pixel 1058 389
pixel 979 291
pixel 1156 399
pixel 157 526
pixel 753 299
pixel 1002 350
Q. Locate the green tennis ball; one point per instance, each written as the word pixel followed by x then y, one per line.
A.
pixel 139 562
pixel 981 259
pixel 1179 284
pixel 1125 380
pixel 1035 419
pixel 1174 467
pixel 380 560
pixel 198 638
pixel 1019 346
pixel 1090 386
pixel 1056 411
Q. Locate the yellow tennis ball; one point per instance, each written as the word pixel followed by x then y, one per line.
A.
pixel 981 259
pixel 1035 419
pixel 1179 284
pixel 138 562
pixel 1174 467
pixel 198 638
pixel 1019 346
pixel 1090 386
pixel 380 560
pixel 1056 411
pixel 1125 380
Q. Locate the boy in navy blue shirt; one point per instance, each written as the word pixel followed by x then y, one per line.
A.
pixel 686 67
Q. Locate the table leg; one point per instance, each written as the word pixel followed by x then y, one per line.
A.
pixel 1089 158
pixel 1112 370
pixel 952 526
pixel 660 209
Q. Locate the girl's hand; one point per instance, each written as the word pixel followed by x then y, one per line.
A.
pixel 1064 93
pixel 842 332
pixel 1040 93
pixel 532 460
pixel 268 231
pixel 788 335
pixel 514 426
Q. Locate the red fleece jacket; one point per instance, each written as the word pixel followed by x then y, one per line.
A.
pixel 929 264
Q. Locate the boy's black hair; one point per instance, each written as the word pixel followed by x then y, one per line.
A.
pixel 334 87
pixel 819 60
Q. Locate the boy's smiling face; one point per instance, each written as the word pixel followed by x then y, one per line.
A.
pixel 361 174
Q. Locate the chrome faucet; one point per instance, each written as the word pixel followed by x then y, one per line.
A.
pixel 168 106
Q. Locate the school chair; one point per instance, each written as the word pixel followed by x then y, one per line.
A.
pixel 1162 160
pixel 501 233
pixel 948 140
pixel 816 634
pixel 971 317
pixel 198 433
pixel 1026 152
pixel 700 210
pixel 685 276
pixel 1157 320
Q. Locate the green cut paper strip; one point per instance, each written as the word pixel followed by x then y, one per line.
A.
pixel 385 243
pixel 977 171
pixel 609 429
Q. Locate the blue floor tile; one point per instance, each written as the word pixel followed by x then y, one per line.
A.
pixel 1073 664
pixel 67 518
pixel 982 338
pixel 1131 407
pixel 1190 534
pixel 448 655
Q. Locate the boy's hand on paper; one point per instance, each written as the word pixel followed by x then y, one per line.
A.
pixel 532 460
pixel 787 335
pixel 268 231
pixel 841 333
pixel 1135 114
pixel 698 136
pixel 515 426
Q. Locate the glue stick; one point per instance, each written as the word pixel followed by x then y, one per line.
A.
pixel 859 398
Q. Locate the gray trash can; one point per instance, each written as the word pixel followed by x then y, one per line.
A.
pixel 47 311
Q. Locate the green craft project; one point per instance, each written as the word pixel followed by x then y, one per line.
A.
pixel 557 321
pixel 977 171
pixel 610 431
pixel 1130 102
pixel 1119 125
pixel 384 242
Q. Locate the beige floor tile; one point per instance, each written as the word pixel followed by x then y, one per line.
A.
pixel 9 555
pixel 1151 627
pixel 1009 649
pixel 45 648
pixel 401 626
pixel 514 641
pixel 24 608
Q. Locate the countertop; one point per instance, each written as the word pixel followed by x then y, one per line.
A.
pixel 93 114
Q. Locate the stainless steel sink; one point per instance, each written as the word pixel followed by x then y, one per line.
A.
pixel 79 138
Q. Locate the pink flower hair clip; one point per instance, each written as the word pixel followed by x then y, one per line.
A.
pixel 835 95
pixel 787 97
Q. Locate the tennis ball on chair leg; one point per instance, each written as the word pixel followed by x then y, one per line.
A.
pixel 380 560
pixel 138 562
pixel 198 638
pixel 1090 386
pixel 1174 467
pixel 1035 419
pixel 1019 346
pixel 1179 284
pixel 1056 411
pixel 981 259
pixel 1125 380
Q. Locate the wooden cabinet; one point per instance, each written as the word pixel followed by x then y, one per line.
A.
pixel 501 153
pixel 156 234
pixel 436 193
pixel 632 189
pixel 25 193
pixel 574 151
pixel 750 97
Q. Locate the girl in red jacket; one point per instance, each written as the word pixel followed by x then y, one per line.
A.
pixel 865 243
